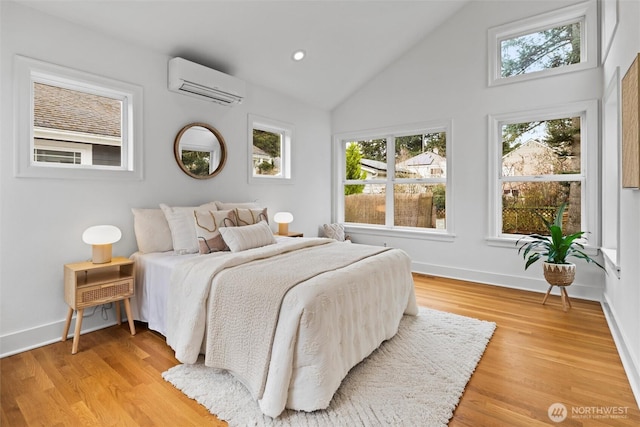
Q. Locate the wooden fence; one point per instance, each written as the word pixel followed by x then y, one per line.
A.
pixel 410 210
pixel 417 210
pixel 525 220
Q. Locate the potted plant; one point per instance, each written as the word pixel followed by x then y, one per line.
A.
pixel 555 248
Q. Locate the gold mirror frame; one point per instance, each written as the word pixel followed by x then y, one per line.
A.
pixel 178 153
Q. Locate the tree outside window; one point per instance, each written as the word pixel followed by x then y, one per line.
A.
pixel 354 169
pixel 267 151
pixel 541 169
pixel 552 48
pixel 270 146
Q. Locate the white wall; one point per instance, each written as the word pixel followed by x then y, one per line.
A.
pixel 622 295
pixel 445 77
pixel 41 221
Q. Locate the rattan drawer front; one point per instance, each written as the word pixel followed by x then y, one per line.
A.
pixel 100 294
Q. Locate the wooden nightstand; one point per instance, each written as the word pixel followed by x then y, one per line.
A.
pixel 87 284
pixel 291 234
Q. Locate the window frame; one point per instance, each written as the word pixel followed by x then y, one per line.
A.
pixel 389 133
pixel 26 72
pixel 589 169
pixel 611 171
pixel 287 131
pixel 584 12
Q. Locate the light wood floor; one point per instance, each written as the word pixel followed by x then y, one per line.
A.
pixel 539 355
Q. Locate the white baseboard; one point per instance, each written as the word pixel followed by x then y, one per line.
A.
pixel 38 336
pixel 508 281
pixel 630 367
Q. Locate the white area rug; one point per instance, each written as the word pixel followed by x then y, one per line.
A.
pixel 415 378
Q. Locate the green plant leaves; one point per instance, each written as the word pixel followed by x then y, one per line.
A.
pixel 556 247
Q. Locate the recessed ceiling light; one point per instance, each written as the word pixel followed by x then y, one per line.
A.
pixel 298 55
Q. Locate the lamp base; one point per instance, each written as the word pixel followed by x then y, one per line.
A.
pixel 283 228
pixel 101 254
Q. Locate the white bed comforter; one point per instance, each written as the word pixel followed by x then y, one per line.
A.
pixel 326 324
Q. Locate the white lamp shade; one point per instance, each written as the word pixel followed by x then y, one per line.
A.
pixel 283 217
pixel 101 235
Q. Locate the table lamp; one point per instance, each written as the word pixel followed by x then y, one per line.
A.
pixel 101 237
pixel 283 219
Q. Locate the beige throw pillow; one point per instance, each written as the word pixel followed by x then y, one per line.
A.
pixel 249 216
pixel 248 237
pixel 208 224
pixel 334 231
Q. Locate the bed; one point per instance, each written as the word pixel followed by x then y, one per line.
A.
pixel 289 319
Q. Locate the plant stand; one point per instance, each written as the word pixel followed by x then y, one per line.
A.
pixel 564 296
pixel 560 275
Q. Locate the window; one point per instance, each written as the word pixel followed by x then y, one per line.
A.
pixel 269 150
pixel 561 41
pixel 408 190
pixel 76 125
pixel 542 159
pixel 56 151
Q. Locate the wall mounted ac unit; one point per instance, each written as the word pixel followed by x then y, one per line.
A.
pixel 196 80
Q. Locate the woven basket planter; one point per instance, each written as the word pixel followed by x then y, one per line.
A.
pixel 559 274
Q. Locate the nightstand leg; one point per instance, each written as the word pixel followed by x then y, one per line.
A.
pixel 118 314
pixel 67 324
pixel 76 334
pixel 127 308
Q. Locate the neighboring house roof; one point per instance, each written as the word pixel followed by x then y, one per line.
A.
pixel 531 158
pixel 426 164
pixel 531 145
pixel 426 158
pixel 257 151
pixel 379 166
pixel 374 165
pixel 70 110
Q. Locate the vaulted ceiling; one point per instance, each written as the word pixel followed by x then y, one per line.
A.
pixel 346 42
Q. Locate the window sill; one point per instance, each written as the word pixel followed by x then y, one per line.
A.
pixel 428 234
pixel 270 180
pixel 611 259
pixel 80 173
pixel 510 242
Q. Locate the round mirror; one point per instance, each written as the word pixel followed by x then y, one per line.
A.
pixel 200 151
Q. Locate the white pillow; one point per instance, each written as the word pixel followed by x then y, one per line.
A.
pixel 228 206
pixel 182 225
pixel 247 237
pixel 152 230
